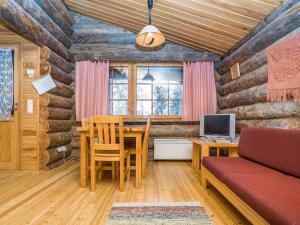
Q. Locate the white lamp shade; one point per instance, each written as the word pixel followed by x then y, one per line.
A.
pixel 150 37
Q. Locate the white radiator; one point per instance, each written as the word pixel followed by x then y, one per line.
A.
pixel 173 149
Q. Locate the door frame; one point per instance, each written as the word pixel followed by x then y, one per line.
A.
pixel 15 163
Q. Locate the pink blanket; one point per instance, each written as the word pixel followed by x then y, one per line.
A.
pixel 284 70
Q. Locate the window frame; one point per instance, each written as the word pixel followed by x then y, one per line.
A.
pixel 132 88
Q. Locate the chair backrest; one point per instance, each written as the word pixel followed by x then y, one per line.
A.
pixel 107 133
pixel 147 133
pixel 84 122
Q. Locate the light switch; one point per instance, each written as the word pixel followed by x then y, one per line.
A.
pixel 29 106
pixel 30 72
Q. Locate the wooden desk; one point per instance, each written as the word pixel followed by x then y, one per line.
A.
pixel 129 132
pixel 206 145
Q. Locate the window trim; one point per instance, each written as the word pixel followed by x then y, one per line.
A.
pixel 132 97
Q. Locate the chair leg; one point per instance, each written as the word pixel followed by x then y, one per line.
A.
pixel 100 171
pixel 93 174
pixel 117 169
pixel 113 170
pixel 128 166
pixel 122 181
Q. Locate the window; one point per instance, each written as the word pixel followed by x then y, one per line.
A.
pixel 159 90
pixel 118 90
pixel 139 90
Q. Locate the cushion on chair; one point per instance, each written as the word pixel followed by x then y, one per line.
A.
pixel 276 148
pixel 219 166
pixel 274 196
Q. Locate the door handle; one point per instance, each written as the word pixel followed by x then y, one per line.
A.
pixel 16 106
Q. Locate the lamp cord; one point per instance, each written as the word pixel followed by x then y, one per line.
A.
pixel 150 6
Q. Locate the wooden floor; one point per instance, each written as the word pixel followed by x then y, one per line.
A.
pixel 54 197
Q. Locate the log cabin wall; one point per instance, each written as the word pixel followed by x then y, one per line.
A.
pixel 48 24
pixel 247 95
pixel 98 41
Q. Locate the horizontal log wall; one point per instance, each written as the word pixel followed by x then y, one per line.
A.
pixel 247 95
pixel 48 24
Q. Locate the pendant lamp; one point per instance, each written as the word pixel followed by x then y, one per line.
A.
pixel 150 36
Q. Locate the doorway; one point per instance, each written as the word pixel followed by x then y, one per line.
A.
pixel 9 114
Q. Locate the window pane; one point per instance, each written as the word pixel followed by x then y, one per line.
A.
pixel 160 108
pixel 175 107
pixel 119 107
pixel 167 74
pixel 118 75
pixel 144 91
pixel 120 91
pixel 144 108
pixel 160 92
pixel 144 75
pixel 175 92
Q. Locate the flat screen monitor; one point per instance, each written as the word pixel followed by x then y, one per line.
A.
pixel 217 125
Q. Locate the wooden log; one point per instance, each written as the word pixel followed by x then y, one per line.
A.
pixel 55 113
pixel 61 7
pixel 128 52
pixel 51 100
pixel 49 55
pixel 75 143
pixel 55 15
pixel 253 63
pixel 45 68
pixel 279 28
pixel 17 19
pixel 44 53
pixel 60 75
pixel 285 123
pixel 51 140
pixel 51 155
pixel 249 96
pixel 51 126
pixel 62 90
pixel 268 110
pixel 39 15
pixel 174 130
pixel 256 77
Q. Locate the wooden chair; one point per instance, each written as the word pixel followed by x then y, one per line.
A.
pixel 132 150
pixel 106 147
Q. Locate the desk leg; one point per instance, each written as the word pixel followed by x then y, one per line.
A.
pixel 233 152
pixel 195 159
pixel 138 161
pixel 83 160
pixel 204 152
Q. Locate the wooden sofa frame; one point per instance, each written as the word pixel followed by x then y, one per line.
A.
pixel 246 210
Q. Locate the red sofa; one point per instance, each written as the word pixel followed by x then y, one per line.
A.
pixel 264 182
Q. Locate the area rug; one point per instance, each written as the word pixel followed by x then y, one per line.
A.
pixel 158 213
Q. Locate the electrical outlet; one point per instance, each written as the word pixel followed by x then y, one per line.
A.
pixel 62 149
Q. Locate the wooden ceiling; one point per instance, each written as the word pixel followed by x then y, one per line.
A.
pixel 211 25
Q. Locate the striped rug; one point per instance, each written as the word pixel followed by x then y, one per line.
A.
pixel 158 213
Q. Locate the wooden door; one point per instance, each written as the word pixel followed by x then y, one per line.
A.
pixel 9 129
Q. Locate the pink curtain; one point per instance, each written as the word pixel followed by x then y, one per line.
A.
pixel 92 80
pixel 199 90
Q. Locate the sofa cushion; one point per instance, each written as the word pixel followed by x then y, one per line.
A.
pixel 276 148
pixel 223 165
pixel 275 196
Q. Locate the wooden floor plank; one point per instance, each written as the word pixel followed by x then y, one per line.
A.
pixel 55 197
